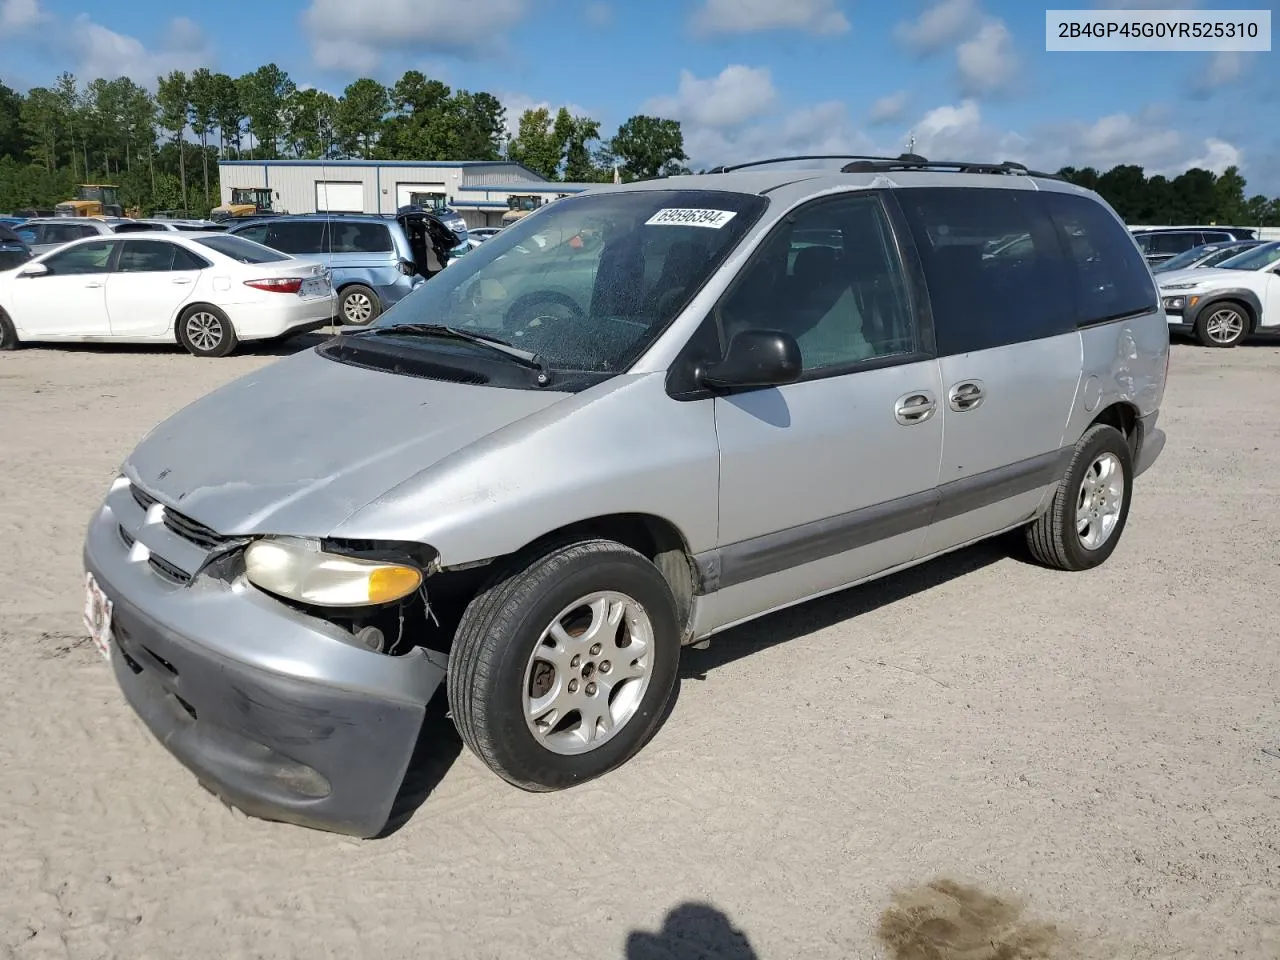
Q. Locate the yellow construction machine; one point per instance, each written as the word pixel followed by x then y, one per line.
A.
pixel 92 200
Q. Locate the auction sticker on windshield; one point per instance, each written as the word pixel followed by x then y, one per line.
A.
pixel 684 217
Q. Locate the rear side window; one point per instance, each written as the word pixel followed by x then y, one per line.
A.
pixel 135 228
pixel 994 266
pixel 360 238
pixel 297 236
pixel 238 248
pixel 145 256
pixel 1110 278
pixel 1168 243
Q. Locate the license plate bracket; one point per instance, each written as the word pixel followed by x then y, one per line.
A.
pixel 98 608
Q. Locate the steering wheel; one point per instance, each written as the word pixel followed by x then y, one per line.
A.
pixel 534 309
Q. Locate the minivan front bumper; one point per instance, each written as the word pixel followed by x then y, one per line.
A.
pixel 321 741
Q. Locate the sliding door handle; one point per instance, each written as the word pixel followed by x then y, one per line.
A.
pixel 966 396
pixel 914 408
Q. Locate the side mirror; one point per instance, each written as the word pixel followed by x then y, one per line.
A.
pixel 33 270
pixel 755 358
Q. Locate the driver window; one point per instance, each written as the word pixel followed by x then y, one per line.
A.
pixel 85 258
pixel 831 278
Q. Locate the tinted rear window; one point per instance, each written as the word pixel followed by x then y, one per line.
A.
pixel 360 237
pixel 1110 278
pixel 297 236
pixel 238 248
pixel 994 266
pixel 1166 243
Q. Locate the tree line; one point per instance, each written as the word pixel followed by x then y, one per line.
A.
pixel 162 148
pixel 1197 196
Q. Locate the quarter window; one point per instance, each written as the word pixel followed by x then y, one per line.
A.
pixel 993 264
pixel 831 278
pixel 1110 278
pixel 85 258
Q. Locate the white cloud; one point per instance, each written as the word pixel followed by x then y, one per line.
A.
pixel 939 25
pixel 752 16
pixel 888 108
pixel 599 14
pixel 824 128
pixel 19 15
pixel 1217 156
pixel 98 51
pixel 346 38
pixel 986 62
pixel 737 95
pixel 1222 69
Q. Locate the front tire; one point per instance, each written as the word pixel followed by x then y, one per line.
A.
pixel 1088 512
pixel 205 331
pixel 358 306
pixel 563 665
pixel 1222 325
pixel 8 334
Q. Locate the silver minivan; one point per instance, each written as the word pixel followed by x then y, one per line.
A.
pixel 628 422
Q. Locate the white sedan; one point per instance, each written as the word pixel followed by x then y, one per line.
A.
pixel 207 291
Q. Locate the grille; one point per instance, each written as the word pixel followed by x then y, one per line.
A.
pixel 192 531
pixel 141 497
pixel 168 570
pixel 125 536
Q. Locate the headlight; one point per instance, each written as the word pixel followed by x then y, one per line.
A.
pixel 1174 303
pixel 300 570
pixel 1180 286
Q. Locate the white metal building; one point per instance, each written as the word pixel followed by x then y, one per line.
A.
pixel 477 189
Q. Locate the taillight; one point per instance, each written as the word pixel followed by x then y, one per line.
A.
pixel 277 284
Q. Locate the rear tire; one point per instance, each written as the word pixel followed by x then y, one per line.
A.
pixel 1222 324
pixel 205 331
pixel 546 707
pixel 1090 507
pixel 8 335
pixel 358 306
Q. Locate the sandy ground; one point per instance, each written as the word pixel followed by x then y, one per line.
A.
pixel 1088 746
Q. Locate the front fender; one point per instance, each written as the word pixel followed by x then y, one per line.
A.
pixel 623 447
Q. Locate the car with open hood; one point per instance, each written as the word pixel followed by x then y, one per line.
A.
pixel 628 422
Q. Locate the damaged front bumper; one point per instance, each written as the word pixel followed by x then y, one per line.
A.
pixel 276 712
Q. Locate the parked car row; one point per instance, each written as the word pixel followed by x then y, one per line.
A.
pixel 1159 244
pixel 1223 304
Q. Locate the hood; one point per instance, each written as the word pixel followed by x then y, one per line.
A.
pixel 297 447
pixel 1198 275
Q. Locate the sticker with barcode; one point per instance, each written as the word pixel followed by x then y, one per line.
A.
pixel 684 217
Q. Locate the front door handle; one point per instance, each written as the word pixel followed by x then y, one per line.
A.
pixel 966 396
pixel 914 408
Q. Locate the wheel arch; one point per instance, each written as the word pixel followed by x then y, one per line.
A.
pixel 1238 296
pixel 653 537
pixel 186 308
pixel 1125 417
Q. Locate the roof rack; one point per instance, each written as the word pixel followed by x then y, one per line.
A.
pixel 815 156
pixel 907 161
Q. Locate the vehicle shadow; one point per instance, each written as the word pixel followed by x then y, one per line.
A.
pixel 437 748
pixel 815 615
pixel 439 745
pixel 264 348
pixel 691 931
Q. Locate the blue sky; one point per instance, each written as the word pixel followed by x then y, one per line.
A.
pixel 747 78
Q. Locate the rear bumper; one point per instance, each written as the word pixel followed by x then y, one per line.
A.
pixel 281 313
pixel 1151 444
pixel 263 705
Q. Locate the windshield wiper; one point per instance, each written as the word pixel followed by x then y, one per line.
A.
pixel 525 358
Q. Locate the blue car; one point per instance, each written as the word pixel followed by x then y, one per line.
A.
pixel 375 261
pixel 14 252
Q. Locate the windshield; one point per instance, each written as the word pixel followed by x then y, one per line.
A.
pixel 1259 258
pixel 1187 258
pixel 589 282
